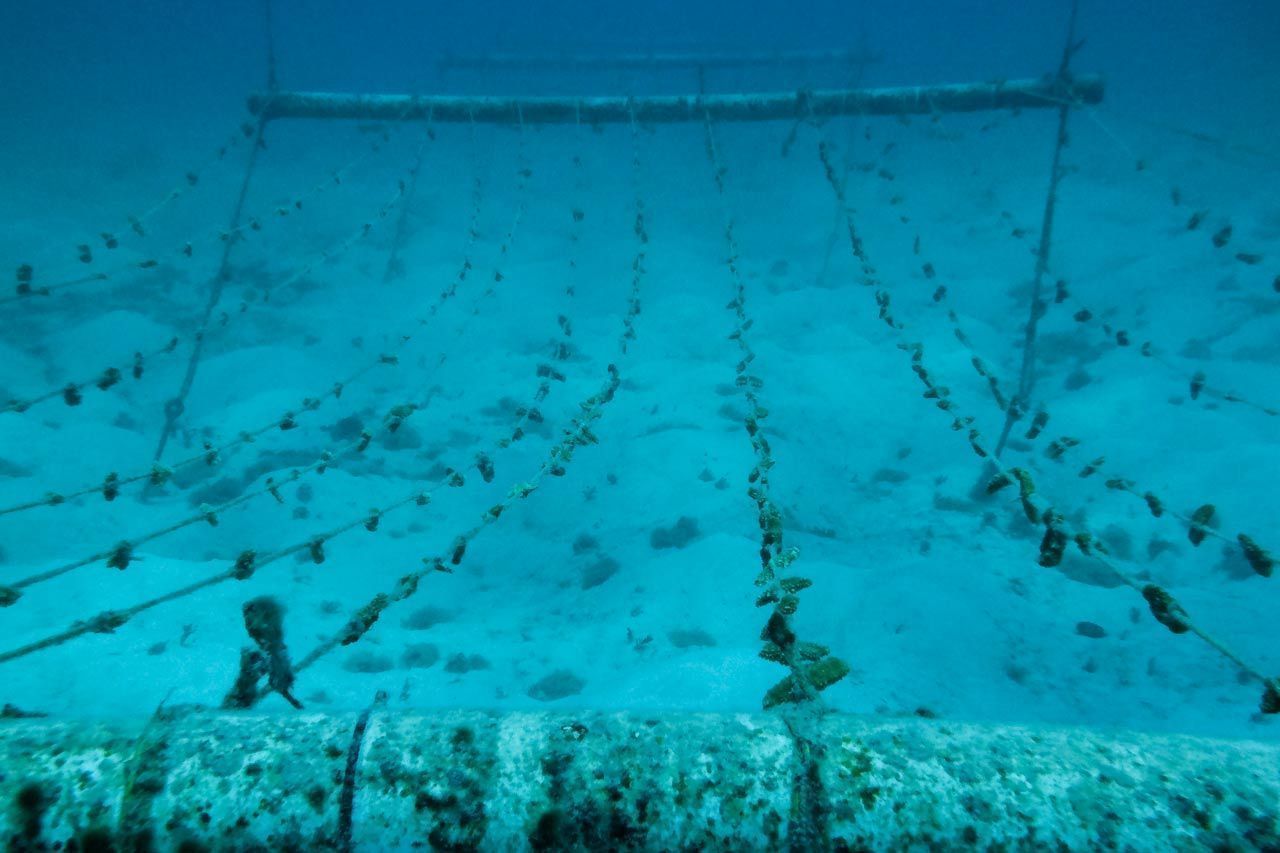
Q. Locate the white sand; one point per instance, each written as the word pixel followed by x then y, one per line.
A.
pixel 868 473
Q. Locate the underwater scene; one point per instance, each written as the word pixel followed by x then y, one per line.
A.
pixel 833 426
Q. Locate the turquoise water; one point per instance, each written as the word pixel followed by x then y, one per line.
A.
pixel 470 285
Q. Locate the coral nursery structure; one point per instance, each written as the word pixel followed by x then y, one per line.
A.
pixel 787 432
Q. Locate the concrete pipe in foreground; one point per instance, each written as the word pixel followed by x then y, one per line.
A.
pixel 536 781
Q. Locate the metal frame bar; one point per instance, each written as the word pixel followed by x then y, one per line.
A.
pixel 756 106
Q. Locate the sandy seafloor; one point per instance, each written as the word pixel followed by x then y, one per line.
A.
pixel 936 603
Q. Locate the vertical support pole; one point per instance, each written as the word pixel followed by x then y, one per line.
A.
pixel 1027 375
pixel 176 405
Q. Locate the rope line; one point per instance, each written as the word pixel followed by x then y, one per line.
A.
pixel 578 434
pixel 1058 535
pixel 811 666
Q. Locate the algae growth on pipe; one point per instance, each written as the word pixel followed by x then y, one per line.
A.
pixel 381 780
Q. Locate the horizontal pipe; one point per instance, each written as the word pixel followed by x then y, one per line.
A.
pixel 383 780
pixel 761 106
pixel 655 60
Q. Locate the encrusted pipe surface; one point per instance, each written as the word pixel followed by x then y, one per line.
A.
pixel 759 106
pixel 536 781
